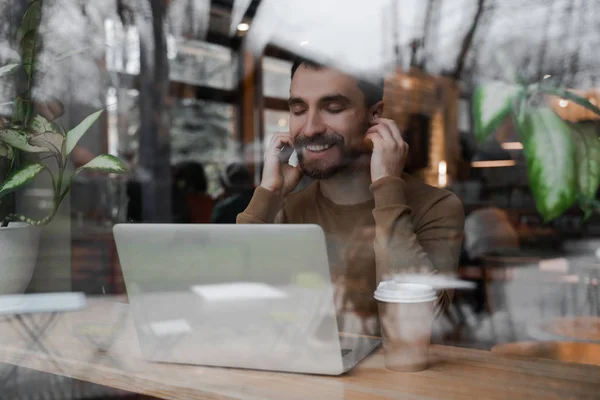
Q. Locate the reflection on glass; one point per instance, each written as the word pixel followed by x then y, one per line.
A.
pixel 190 61
pixel 203 131
pixel 276 77
pixel 275 121
pixel 122 47
pixel 201 63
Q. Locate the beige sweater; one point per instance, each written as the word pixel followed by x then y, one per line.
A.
pixel 408 227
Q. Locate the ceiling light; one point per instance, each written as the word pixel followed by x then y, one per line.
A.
pixel 304 43
pixel 547 76
pixel 512 146
pixel 243 27
pixel 493 164
pixel 563 103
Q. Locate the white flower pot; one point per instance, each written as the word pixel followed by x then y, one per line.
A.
pixel 18 253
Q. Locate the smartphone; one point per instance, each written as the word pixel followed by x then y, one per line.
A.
pixel 293 161
pixel 288 154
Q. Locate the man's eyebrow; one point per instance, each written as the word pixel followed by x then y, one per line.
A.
pixel 295 100
pixel 335 98
pixel 330 98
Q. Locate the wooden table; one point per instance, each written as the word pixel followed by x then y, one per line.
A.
pixel 580 329
pixel 575 352
pixel 73 350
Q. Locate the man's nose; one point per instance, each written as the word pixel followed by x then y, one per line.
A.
pixel 314 125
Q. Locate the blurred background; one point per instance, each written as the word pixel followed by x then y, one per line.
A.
pixel 193 89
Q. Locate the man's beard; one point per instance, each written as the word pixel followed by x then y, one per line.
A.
pixel 320 169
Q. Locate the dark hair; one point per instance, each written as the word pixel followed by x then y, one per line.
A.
pixel 236 175
pixel 373 91
pixel 191 176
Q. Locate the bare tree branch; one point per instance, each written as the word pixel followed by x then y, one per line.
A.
pixel 544 46
pixel 426 31
pixel 466 44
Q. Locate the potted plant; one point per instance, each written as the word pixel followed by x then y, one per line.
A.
pixel 563 158
pixel 32 133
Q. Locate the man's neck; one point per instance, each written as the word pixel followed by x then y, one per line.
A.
pixel 347 187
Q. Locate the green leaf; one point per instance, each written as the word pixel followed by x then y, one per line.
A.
pixel 40 124
pixel 588 210
pixel 28 48
pixel 7 152
pixel 50 140
pixel 9 68
pixel 549 151
pixel 76 133
pixel 588 205
pixel 575 98
pixel 587 158
pixel 4 150
pixel 20 178
pixel 31 19
pixel 63 151
pixel 105 163
pixel 492 102
pixel 20 141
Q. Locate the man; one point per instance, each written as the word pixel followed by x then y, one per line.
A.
pixel 378 220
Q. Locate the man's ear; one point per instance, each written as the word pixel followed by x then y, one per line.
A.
pixel 376 110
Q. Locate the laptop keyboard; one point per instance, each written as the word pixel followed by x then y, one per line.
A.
pixel 345 351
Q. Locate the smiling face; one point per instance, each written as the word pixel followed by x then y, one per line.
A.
pixel 328 120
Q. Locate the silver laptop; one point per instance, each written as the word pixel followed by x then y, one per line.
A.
pixel 244 296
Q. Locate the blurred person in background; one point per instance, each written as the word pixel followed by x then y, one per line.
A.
pixel 237 182
pixel 378 220
pixel 488 231
pixel 191 202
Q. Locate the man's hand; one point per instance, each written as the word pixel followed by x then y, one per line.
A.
pixel 278 175
pixel 389 149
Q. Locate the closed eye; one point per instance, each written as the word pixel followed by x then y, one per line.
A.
pixel 298 112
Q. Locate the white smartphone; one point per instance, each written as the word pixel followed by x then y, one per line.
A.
pixel 288 154
pixel 293 161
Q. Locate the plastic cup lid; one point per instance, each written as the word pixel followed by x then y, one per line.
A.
pixel 394 292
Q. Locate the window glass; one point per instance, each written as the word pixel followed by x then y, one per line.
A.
pixel 275 121
pixel 203 131
pixel 276 77
pixel 201 63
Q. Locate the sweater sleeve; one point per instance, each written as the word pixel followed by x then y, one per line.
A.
pixel 265 207
pixel 433 247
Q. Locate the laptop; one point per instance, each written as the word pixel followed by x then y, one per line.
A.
pixel 242 296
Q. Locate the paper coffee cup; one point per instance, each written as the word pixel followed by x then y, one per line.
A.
pixel 405 316
pixel 394 292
